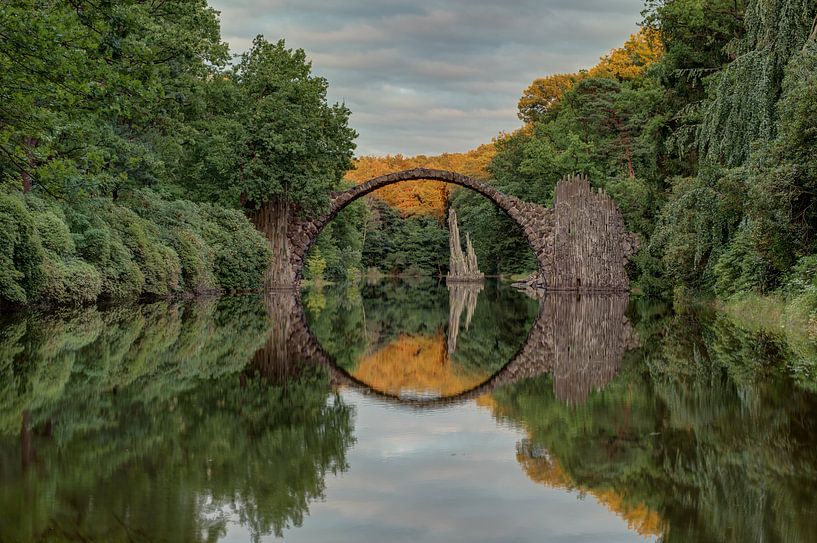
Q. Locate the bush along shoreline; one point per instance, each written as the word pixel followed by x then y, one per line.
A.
pixel 137 247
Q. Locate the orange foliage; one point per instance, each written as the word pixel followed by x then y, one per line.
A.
pixel 630 61
pixel 421 197
pixel 416 365
pixel 547 470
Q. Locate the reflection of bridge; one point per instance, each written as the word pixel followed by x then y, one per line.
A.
pixel 579 339
pixel 580 243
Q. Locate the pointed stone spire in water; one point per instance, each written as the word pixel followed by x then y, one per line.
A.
pixel 463 267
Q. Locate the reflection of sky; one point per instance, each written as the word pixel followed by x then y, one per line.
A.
pixel 447 475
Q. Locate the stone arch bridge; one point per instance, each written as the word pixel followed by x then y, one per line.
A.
pixel 580 243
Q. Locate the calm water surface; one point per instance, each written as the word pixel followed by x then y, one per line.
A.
pixel 402 411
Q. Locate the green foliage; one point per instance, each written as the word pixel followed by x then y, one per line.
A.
pixel 21 251
pixel 703 430
pixel 742 105
pixel 605 128
pixel 315 265
pixel 709 153
pixel 784 173
pixel 141 245
pixel 341 242
pixel 241 254
pixel 158 263
pixel 695 227
pixel 70 281
pixel 803 275
pixel 756 220
pixel 351 321
pixel 158 416
pixel 95 94
pixel 269 133
pixel 414 245
pixel 501 255
pixel 100 243
pixel 740 268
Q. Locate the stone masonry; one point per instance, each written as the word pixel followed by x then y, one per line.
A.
pixel 580 244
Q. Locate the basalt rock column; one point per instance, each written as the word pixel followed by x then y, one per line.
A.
pixel 463 267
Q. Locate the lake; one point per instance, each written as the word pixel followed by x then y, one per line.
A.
pixel 403 411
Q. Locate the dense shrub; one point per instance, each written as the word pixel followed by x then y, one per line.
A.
pixel 180 223
pixel 75 253
pixel 99 244
pixel 70 281
pixel 21 252
pixel 241 254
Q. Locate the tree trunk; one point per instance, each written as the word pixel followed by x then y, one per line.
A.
pixel 272 219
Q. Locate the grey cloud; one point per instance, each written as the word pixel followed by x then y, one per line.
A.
pixel 434 76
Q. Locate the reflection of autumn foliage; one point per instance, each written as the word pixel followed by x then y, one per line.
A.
pixel 421 197
pixel 416 364
pixel 543 467
pixel 547 470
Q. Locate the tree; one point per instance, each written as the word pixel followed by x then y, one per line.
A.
pixel 272 142
pixel 640 51
pixel 742 98
pixel 543 94
pixel 95 95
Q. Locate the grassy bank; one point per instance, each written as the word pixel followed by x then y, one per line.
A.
pixel 773 314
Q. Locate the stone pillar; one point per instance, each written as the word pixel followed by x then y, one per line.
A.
pixel 463 267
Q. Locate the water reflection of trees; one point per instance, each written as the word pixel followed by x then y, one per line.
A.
pixel 354 322
pixel 146 423
pixel 701 428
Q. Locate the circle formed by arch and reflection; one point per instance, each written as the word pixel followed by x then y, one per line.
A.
pixel 579 340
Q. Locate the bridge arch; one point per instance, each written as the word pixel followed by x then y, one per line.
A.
pixel 526 215
pixel 580 244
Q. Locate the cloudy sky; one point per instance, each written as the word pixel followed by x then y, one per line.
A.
pixel 433 76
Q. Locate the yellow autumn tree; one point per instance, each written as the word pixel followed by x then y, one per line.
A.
pixel 416 364
pixel 421 197
pixel 543 93
pixel 625 63
pixel 639 52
